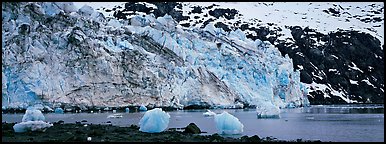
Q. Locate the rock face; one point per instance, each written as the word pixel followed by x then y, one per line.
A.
pixel 55 56
pixel 347 62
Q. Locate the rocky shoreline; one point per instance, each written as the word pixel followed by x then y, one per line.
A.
pixel 108 133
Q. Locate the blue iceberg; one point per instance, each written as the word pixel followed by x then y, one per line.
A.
pixel 59 111
pixel 228 124
pixel 154 121
pixel 142 108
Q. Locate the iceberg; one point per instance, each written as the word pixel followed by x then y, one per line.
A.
pixel 267 111
pixel 59 111
pixel 209 113
pixel 33 114
pixel 142 108
pixel 154 121
pixel 127 110
pixel 33 120
pixel 228 124
pixel 31 126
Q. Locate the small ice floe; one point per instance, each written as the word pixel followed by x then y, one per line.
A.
pixel 142 108
pixel 31 126
pixel 209 113
pixel 114 111
pixel 115 116
pixel 228 124
pixel 268 111
pixel 59 111
pixel 88 138
pixel 127 110
pixel 154 121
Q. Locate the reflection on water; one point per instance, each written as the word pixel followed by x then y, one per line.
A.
pixel 346 109
pixel 359 123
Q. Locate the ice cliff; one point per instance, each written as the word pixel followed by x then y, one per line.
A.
pixel 54 54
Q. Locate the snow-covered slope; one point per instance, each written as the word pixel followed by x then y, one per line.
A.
pixel 56 54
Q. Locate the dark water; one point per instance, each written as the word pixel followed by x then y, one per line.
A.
pixel 338 123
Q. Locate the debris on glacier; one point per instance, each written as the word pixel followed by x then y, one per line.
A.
pixel 209 113
pixel 154 121
pixel 59 111
pixel 33 120
pixel 228 124
pixel 142 108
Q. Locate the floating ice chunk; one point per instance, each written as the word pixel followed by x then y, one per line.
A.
pixel 154 121
pixel 209 113
pixel 268 111
pixel 33 114
pixel 59 111
pixel 228 124
pixel 142 108
pixel 115 116
pixel 127 110
pixel 31 126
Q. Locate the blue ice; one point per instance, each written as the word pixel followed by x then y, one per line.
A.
pixel 154 121
pixel 228 124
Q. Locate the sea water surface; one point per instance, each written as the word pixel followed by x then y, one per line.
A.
pixel 337 123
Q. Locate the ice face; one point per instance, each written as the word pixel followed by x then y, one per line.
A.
pixel 31 126
pixel 228 124
pixel 151 62
pixel 154 121
pixel 33 114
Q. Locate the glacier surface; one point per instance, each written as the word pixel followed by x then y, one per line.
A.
pixel 55 55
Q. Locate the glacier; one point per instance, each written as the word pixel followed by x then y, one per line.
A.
pixel 56 55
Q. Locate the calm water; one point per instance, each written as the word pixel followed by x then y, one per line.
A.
pixel 338 123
